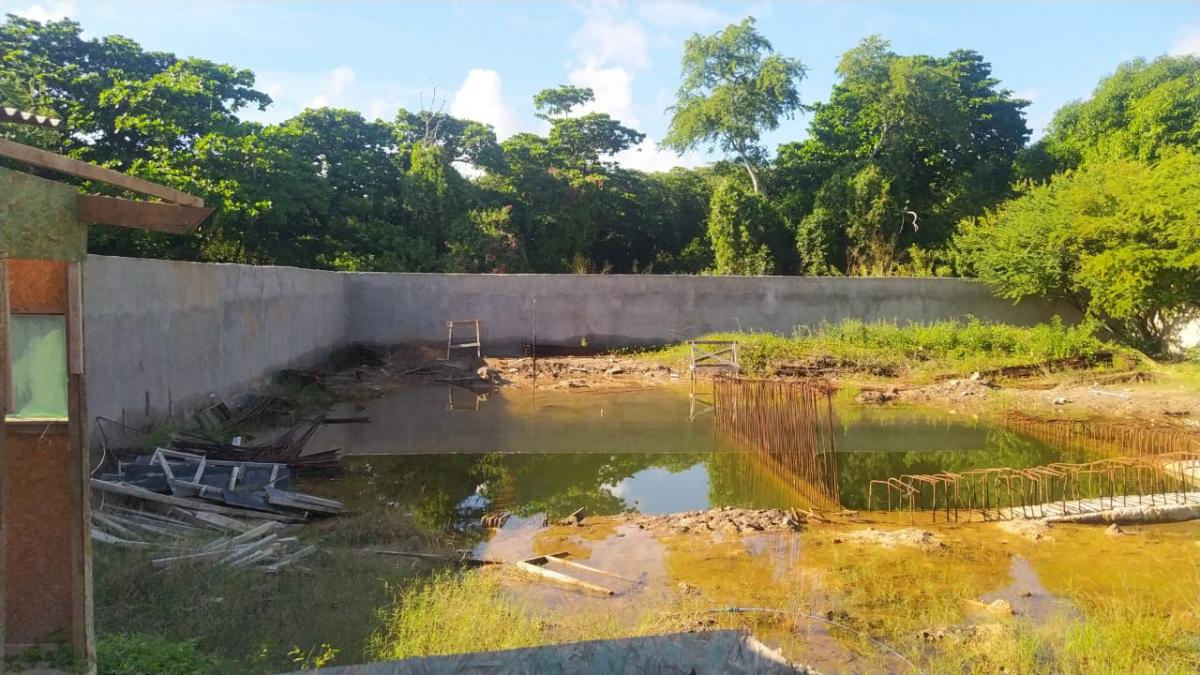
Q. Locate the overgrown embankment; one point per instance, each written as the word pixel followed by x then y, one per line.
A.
pixel 918 351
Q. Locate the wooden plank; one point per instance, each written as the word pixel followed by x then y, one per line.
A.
pixel 195 505
pixel 291 558
pixel 562 579
pixel 37 286
pixel 171 560
pixel 112 524
pixel 587 568
pixel 243 551
pixel 170 218
pixel 217 520
pixel 74 318
pixel 250 535
pixel 106 538
pixel 74 167
pixel 6 393
pixel 303 502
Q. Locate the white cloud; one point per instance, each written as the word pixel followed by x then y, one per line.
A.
pixel 647 156
pixel 609 48
pixel 613 89
pixel 52 10
pixel 1188 43
pixel 481 98
pixel 608 38
pixel 1030 95
pixel 684 14
pixel 333 91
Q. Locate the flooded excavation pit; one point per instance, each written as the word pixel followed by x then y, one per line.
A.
pixel 546 454
pixel 667 515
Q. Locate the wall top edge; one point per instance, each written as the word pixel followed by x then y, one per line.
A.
pixel 468 275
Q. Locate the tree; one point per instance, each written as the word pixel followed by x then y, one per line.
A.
pixel 746 233
pixel 906 146
pixel 465 141
pixel 1118 239
pixel 1138 112
pixel 734 88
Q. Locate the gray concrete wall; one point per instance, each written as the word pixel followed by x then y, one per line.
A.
pixel 635 310
pixel 162 335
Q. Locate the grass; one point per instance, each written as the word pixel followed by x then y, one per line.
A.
pixel 1114 637
pixel 139 653
pixel 257 622
pixel 919 351
pixel 453 613
pixel 1126 622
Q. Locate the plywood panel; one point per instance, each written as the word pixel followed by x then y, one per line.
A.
pixel 40 501
pixel 37 286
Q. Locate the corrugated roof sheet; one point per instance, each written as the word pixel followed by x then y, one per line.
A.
pixel 22 117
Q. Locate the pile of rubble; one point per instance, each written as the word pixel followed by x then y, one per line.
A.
pixel 725 519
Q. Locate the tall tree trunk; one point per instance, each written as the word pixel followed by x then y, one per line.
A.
pixel 753 174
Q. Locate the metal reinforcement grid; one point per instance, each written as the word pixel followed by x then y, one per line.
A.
pixel 1059 489
pixel 788 426
pixel 1121 439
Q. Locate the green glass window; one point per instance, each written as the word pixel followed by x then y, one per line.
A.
pixel 39 366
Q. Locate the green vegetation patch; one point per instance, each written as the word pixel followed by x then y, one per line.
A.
pixel 913 350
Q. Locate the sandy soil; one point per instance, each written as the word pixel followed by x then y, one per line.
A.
pixel 1130 396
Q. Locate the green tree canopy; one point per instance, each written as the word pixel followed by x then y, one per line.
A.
pixel 734 88
pixel 1138 112
pixel 910 143
pixel 1119 239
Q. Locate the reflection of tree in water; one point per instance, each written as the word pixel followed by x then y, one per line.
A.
pixel 454 491
pixel 557 485
pixel 434 488
pixel 736 478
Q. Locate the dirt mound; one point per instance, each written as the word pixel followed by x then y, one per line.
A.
pixel 580 372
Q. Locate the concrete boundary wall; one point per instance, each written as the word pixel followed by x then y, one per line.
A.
pixel 636 310
pixel 161 336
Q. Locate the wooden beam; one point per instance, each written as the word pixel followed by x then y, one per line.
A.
pixel 173 218
pixel 74 167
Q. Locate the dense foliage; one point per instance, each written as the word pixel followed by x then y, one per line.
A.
pixel 1120 239
pixel 914 165
pixel 1114 223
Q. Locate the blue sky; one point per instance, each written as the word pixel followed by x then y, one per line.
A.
pixel 487 59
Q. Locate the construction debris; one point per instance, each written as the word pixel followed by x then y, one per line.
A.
pixel 222 488
pixel 190 539
pixel 215 437
pixel 286 448
pixel 724 519
pixel 539 566
pixel 1060 489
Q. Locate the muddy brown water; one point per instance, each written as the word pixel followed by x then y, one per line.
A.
pixel 449 455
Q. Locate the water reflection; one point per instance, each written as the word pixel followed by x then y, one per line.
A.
pixel 622 451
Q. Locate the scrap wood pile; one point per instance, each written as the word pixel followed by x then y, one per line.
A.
pixel 181 536
pixel 215 437
pixel 194 482
pixel 193 509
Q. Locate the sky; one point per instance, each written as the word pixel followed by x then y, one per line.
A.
pixel 485 60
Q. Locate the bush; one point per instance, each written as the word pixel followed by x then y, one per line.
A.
pixel 1120 240
pixel 139 654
